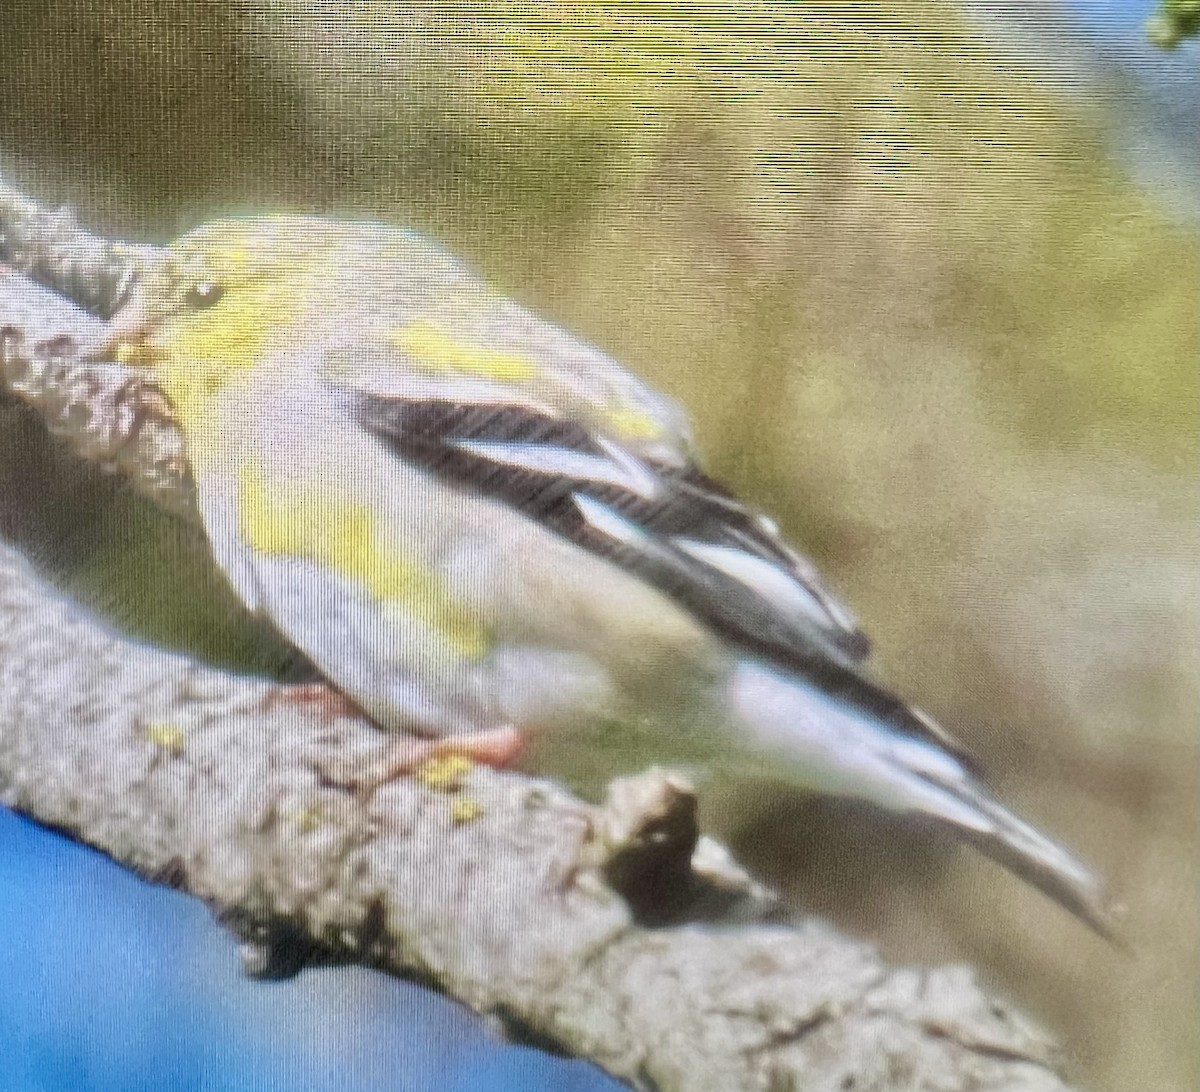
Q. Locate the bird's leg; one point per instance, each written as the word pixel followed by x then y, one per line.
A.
pixel 319 695
pixel 400 754
pixel 495 747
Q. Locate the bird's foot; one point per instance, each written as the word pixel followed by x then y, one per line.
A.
pixel 398 754
pixel 317 695
pixel 439 763
pixel 495 747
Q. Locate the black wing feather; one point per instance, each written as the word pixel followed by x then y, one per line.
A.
pixel 685 504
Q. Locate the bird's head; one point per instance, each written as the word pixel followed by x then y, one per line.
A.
pixel 220 296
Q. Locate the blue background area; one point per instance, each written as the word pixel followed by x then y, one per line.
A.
pixel 113 984
pixel 1151 96
pixel 109 983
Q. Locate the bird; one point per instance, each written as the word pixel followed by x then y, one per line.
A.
pixel 477 527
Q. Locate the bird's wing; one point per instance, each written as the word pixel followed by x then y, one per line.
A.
pixel 668 522
pixel 490 399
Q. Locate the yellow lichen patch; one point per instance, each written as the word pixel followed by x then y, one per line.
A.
pixel 444 773
pixel 310 818
pixel 342 537
pixel 465 810
pixel 429 346
pixel 166 737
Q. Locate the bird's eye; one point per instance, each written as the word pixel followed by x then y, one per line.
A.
pixel 204 294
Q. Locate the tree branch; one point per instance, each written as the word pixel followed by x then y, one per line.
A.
pixel 501 890
pixel 108 415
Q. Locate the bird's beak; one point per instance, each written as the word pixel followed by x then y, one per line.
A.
pixel 127 338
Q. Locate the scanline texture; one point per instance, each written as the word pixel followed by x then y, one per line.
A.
pixel 206 780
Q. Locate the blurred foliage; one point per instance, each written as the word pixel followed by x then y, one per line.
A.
pixel 1174 21
pixel 916 308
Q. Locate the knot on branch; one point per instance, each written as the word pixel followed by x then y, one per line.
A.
pixel 646 844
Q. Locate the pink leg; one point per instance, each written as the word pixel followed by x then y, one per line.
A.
pixel 321 696
pixel 495 747
pixel 400 754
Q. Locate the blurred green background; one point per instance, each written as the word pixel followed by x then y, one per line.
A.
pixel 919 305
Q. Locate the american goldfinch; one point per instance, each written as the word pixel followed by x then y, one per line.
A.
pixel 471 521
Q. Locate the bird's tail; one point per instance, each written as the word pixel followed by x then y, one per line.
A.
pixel 1039 860
pixel 843 745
